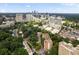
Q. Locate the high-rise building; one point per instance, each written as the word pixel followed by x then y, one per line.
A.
pixel 55 22
pixel 19 17
pixel 68 49
pixel 29 17
pixel 47 42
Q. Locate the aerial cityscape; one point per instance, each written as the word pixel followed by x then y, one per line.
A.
pixel 39 29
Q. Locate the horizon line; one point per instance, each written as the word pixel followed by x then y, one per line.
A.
pixel 40 12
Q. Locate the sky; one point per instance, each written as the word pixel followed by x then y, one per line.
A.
pixel 40 7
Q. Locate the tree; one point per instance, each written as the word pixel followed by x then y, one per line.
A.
pixel 5 44
pixel 4 35
pixel 66 40
pixel 20 51
pixel 38 46
pixel 40 23
pixel 4 51
pixel 75 43
pixel 9 44
pixel 53 51
pixel 12 43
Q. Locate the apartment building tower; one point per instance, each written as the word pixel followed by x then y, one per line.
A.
pixel 68 49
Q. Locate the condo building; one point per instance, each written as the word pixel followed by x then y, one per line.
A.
pixel 68 49
pixel 55 22
pixel 47 42
pixel 72 34
pixel 29 17
pixel 19 17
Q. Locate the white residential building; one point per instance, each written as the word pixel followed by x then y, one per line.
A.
pixel 30 17
pixel 7 24
pixel 19 18
pixel 53 24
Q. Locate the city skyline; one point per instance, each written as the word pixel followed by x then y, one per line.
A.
pixel 40 7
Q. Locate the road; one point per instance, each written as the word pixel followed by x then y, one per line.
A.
pixel 30 52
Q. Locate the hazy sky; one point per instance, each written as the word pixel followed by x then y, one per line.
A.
pixel 40 7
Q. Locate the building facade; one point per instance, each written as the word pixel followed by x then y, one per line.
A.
pixel 68 49
pixel 19 18
pixel 47 42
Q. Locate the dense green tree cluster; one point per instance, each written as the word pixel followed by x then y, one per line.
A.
pixel 75 26
pixel 71 24
pixel 11 45
pixel 33 38
pixel 73 18
pixel 53 50
pixel 20 51
pixel 30 31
